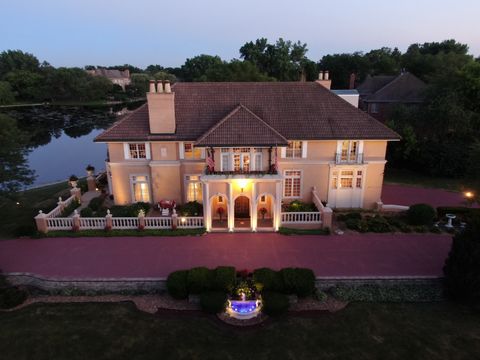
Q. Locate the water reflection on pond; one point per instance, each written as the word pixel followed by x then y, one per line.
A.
pixel 61 138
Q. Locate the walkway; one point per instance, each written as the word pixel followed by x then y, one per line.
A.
pixel 409 195
pixel 350 255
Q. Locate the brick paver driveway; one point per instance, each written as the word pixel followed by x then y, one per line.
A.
pixel 355 255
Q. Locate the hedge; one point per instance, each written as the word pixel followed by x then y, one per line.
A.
pixel 421 214
pixel 177 284
pixel 224 278
pixel 274 303
pixel 199 279
pixel 213 302
pixel 271 280
pixel 11 297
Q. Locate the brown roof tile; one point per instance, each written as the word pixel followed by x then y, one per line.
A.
pixel 296 110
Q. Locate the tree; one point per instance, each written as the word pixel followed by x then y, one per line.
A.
pixel 236 70
pixel 162 75
pixel 153 69
pixel 14 171
pixel 195 69
pixel 138 85
pixel 340 66
pixel 26 85
pixel 13 60
pixel 6 94
pixel 131 68
pixel 462 269
pixel 384 61
pixel 283 60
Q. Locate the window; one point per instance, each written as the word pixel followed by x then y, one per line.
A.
pixel 374 108
pixel 190 152
pixel 346 179
pixel 225 164
pixel 137 151
pixel 258 161
pixel 334 179
pixel 294 149
pixel 359 179
pixel 349 150
pixel 220 199
pixel 241 159
pixel 140 188
pixel 292 183
pixel 193 188
pixel 263 199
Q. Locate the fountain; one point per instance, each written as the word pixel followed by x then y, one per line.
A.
pixel 244 309
pixel 450 218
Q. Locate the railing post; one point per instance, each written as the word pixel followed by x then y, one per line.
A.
pixel 77 192
pixel 108 221
pixel 174 220
pixel 76 221
pixel 327 215
pixel 61 204
pixel 141 219
pixel 41 222
pixel 91 183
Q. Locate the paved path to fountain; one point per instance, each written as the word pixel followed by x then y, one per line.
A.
pixel 349 255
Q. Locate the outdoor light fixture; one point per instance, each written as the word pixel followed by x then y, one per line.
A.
pixel 242 183
pixel 183 220
pixel 468 194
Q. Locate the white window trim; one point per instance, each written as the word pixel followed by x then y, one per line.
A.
pixel 186 181
pixel 301 184
pixel 132 194
pixel 293 152
pixel 357 155
pixel 304 149
pixel 254 162
pixel 126 150
pixel 181 150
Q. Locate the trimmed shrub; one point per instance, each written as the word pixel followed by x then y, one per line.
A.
pixel 378 224
pixel 191 208
pixel 86 212
pixel 177 284
pixel 300 206
pixel 351 215
pixel 421 214
pixel 224 278
pixel 274 303
pixel 96 203
pixel 289 278
pixel 129 210
pixel 357 225
pixel 462 269
pixel 199 279
pixel 304 282
pixel 213 302
pixel 271 280
pixel 11 297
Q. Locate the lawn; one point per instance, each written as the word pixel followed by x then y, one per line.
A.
pixel 361 331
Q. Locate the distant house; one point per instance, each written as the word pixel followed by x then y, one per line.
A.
pixel 118 77
pixel 379 94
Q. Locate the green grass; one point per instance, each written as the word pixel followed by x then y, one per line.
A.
pixel 407 177
pixel 361 331
pixel 290 231
pixel 137 233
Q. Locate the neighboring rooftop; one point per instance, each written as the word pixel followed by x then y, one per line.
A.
pixel 345 92
pixel 404 88
pixel 292 110
pixel 110 73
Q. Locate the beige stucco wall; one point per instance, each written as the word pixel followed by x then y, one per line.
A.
pixel 121 181
pixel 170 151
pixel 115 152
pixel 374 150
pixel 167 183
pixel 373 184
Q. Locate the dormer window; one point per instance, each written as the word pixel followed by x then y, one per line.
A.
pixel 294 149
pixel 136 151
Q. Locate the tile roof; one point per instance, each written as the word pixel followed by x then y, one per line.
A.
pixel 296 110
pixel 404 88
pixel 241 128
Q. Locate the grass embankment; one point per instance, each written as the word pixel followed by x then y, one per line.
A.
pixel 361 331
pixel 137 233
pixel 16 214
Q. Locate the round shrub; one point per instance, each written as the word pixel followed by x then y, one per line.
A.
pixel 213 302
pixel 289 278
pixel 199 279
pixel 378 224
pixel 274 303
pixel 96 203
pixel 271 280
pixel 11 297
pixel 224 278
pixel 86 212
pixel 421 214
pixel 320 295
pixel 304 282
pixel 177 284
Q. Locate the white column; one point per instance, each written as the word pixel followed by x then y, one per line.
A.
pixel 231 206
pixel 207 211
pixel 278 205
pixel 253 210
pixel 252 156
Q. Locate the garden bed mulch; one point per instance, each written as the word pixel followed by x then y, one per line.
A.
pixel 146 303
pixel 331 304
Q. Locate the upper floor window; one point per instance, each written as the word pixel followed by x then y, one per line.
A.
pixel 294 149
pixel 190 152
pixel 292 183
pixel 137 151
pixel 349 150
pixel 374 108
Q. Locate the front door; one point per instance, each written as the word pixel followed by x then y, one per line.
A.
pixel 242 207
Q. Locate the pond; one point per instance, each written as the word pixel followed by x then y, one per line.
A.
pixel 61 138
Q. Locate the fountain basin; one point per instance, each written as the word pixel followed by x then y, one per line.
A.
pixel 244 309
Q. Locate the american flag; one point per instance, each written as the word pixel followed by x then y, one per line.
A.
pixel 210 161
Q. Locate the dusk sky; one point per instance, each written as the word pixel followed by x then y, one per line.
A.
pixel 143 32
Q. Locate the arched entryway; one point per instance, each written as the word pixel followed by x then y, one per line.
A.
pixel 265 211
pixel 219 209
pixel 242 212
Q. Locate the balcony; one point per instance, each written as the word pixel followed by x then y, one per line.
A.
pixel 342 158
pixel 272 173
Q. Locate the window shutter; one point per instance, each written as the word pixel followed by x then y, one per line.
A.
pixel 126 151
pixel 339 146
pixel 304 149
pixel 181 150
pixel 202 155
pixel 147 151
pixel 283 152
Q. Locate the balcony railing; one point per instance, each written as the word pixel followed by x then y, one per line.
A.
pixel 349 158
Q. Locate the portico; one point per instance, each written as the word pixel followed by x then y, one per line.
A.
pixel 242 200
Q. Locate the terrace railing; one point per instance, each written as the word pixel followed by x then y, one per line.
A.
pixel 124 223
pixel 310 217
pixel 158 223
pixel 190 222
pixel 92 223
pixel 59 223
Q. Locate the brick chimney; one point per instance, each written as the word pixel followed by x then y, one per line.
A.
pixel 351 84
pixel 161 109
pixel 324 79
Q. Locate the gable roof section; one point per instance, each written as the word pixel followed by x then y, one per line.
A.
pixel 372 84
pixel 296 110
pixel 406 88
pixel 241 128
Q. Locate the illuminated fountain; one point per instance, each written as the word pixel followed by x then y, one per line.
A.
pixel 244 309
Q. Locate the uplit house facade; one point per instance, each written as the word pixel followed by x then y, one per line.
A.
pixel 246 149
